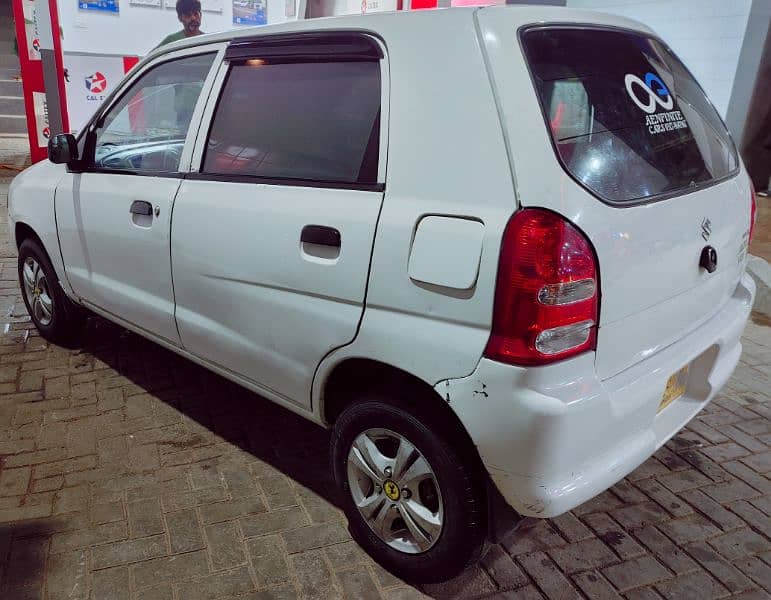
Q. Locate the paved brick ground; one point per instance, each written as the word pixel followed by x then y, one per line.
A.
pixel 130 473
pixel 14 155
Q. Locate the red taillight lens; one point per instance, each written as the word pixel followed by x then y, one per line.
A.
pixel 753 210
pixel 546 296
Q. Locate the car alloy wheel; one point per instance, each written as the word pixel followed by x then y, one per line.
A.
pixel 37 292
pixel 395 490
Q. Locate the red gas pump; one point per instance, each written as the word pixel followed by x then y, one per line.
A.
pixel 42 71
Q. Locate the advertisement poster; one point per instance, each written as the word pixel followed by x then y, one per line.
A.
pixel 41 118
pixel 110 6
pixel 476 2
pixel 370 6
pixel 90 79
pixel 250 12
pixel 153 3
pixel 30 28
pixel 213 6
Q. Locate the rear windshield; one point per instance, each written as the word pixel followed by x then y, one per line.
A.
pixel 628 120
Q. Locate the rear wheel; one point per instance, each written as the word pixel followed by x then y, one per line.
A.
pixel 55 316
pixel 412 500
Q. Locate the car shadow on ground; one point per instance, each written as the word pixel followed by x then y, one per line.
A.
pixel 23 549
pixel 287 442
pixel 273 435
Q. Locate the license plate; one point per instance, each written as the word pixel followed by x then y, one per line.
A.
pixel 675 388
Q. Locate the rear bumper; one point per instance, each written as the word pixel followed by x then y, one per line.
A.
pixel 553 437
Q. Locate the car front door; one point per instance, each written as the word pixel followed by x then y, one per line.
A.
pixel 114 217
pixel 272 237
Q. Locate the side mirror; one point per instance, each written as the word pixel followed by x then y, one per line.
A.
pixel 63 149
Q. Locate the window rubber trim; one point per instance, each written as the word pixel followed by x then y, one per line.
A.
pixel 307 47
pixel 314 183
pixel 633 202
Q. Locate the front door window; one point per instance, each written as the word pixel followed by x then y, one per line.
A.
pixel 146 130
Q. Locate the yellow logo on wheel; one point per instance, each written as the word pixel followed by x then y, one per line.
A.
pixel 391 490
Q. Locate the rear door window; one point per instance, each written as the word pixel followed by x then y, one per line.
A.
pixel 303 121
pixel 628 120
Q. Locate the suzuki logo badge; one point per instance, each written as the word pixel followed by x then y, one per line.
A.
pixel 706 229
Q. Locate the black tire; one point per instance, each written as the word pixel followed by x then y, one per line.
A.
pixel 66 320
pixel 464 528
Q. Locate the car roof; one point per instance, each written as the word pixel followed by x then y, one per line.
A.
pixel 381 21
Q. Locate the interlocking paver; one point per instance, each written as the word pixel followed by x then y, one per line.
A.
pixel 230 509
pixel 282 519
pixel 547 576
pixel 172 568
pixel 720 569
pixel 129 473
pixel 225 548
pixel 313 574
pixel 740 543
pixel 757 570
pixel 269 560
pixel 358 583
pixel 636 573
pixel 665 551
pixel 503 570
pixel 694 585
pixel 121 553
pixel 111 584
pixel 614 535
pixel 583 555
pixel 315 536
pixel 595 586
pixel 217 585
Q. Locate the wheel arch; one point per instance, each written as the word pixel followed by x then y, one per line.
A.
pixel 351 379
pixel 23 231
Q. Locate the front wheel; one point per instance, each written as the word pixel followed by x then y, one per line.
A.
pixel 412 500
pixel 55 316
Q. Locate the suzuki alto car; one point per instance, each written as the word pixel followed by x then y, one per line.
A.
pixel 500 251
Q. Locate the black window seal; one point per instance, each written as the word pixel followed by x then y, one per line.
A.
pixel 307 47
pixel 135 172
pixel 257 45
pixel 288 181
pixel 524 29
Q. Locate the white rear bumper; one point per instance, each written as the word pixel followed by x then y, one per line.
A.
pixel 553 437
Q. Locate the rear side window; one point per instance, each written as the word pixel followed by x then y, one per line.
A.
pixel 628 120
pixel 310 121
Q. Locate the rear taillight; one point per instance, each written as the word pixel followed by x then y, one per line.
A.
pixel 753 210
pixel 546 296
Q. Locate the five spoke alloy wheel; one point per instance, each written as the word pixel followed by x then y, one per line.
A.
pixel 54 315
pixel 37 291
pixel 412 490
pixel 395 490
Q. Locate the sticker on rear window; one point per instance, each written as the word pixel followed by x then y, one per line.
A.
pixel 656 95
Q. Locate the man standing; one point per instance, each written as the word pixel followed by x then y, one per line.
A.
pixel 189 14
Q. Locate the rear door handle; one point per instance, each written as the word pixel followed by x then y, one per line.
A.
pixel 321 235
pixel 140 207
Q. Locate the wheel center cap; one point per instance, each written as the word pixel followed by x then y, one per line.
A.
pixel 391 490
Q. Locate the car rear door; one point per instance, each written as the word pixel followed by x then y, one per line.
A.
pixel 609 129
pixel 272 237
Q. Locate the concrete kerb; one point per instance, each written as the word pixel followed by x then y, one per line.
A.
pixel 760 271
pixel 14 155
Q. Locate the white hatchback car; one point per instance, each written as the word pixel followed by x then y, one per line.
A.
pixel 500 251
